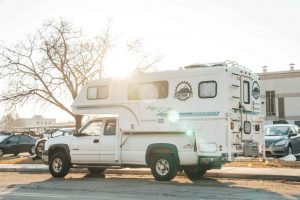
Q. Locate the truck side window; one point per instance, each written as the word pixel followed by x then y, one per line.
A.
pixel 110 127
pixel 92 129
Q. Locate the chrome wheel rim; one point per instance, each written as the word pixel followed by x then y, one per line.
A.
pixel 57 165
pixel 162 167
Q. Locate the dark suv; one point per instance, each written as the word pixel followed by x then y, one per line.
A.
pixel 282 139
pixel 16 143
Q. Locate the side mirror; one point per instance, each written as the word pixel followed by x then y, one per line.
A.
pixel 8 142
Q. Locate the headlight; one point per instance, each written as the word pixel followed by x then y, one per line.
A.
pixel 282 142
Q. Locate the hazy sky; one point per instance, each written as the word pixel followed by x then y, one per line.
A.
pixel 252 32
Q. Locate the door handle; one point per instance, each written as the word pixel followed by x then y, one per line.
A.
pixel 96 140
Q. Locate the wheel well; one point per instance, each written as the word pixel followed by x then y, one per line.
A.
pixel 161 148
pixel 59 148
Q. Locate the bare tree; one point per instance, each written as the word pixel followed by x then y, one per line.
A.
pixel 6 121
pixel 146 61
pixel 52 65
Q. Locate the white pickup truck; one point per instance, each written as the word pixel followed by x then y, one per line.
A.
pixel 193 119
pixel 100 145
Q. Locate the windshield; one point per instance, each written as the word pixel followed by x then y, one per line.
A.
pixel 3 137
pixel 277 131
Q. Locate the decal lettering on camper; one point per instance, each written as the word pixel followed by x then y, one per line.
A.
pixel 183 91
pixel 255 90
pixel 160 111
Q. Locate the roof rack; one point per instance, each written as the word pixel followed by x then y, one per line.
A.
pixel 228 63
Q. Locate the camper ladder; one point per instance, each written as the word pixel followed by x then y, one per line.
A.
pixel 236 94
pixel 236 117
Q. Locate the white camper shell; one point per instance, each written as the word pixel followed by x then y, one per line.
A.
pixel 193 119
pixel 219 103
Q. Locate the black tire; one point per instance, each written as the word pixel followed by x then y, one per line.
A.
pixel 96 171
pixel 15 154
pixel 1 153
pixel 195 172
pixel 59 165
pixel 163 167
pixel 32 150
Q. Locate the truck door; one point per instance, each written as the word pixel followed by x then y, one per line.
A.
pixel 85 146
pixel 108 142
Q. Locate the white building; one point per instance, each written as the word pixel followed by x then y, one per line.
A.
pixel 37 122
pixel 280 93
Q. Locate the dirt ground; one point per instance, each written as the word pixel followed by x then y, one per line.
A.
pixel 20 159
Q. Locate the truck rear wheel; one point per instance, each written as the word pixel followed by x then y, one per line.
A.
pixel 195 172
pixel 59 165
pixel 163 167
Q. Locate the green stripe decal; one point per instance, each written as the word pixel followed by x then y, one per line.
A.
pixel 194 114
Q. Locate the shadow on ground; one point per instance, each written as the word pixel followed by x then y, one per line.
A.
pixel 87 186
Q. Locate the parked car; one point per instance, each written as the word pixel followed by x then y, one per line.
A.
pixel 282 140
pixel 16 143
pixel 5 133
pixel 34 134
pixel 40 144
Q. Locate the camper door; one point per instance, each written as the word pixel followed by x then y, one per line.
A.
pixel 246 108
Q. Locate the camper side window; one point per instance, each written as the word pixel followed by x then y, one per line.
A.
pixel 150 90
pixel 97 92
pixel 207 89
pixel 246 89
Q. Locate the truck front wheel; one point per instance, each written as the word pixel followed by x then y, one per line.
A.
pixel 195 172
pixel 163 167
pixel 59 165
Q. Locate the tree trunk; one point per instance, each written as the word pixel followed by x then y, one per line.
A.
pixel 78 120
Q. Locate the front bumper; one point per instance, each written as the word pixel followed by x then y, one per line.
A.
pixel 45 157
pixel 281 150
